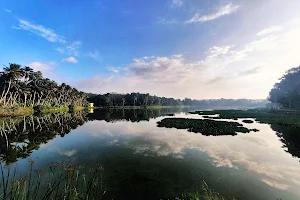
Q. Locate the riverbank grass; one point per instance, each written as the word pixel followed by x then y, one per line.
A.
pixel 11 112
pixel 20 111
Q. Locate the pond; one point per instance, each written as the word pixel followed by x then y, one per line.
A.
pixel 144 161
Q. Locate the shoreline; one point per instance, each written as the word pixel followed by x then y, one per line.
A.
pixel 14 112
pixel 140 107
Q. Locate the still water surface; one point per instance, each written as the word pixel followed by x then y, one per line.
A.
pixel 143 161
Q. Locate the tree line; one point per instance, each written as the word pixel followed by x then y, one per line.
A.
pixel 23 87
pixel 139 99
pixel 287 91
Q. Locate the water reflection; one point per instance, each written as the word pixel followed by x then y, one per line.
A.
pixel 290 137
pixel 133 115
pixel 142 160
pixel 21 136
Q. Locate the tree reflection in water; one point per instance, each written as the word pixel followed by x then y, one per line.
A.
pixel 21 136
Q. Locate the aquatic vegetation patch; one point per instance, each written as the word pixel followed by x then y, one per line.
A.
pixel 248 121
pixel 205 126
pixel 267 116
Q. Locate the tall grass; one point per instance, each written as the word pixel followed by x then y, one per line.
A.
pixel 68 182
pixel 62 181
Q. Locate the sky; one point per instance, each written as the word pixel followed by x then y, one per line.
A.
pixel 201 49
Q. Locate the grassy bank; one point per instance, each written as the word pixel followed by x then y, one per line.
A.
pixel 10 112
pixel 46 110
pixel 20 111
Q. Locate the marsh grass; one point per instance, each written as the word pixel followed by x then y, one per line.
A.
pixel 61 181
pixel 205 193
pixel 69 182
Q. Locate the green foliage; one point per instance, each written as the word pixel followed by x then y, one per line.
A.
pixel 204 126
pixel 287 91
pixel 23 87
pixel 73 108
pixel 16 111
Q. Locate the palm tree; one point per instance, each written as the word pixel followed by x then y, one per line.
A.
pixel 11 73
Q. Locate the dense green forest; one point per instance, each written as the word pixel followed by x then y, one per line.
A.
pixel 23 87
pixel 287 91
pixel 138 99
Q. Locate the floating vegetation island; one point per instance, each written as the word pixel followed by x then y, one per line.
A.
pixel 267 116
pixel 205 126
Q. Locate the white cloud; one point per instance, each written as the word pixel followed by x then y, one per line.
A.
pixel 226 71
pixel 47 69
pixel 269 30
pixel 177 3
pixel 95 55
pixel 95 83
pixel 114 69
pixel 72 48
pixel 7 10
pixel 51 36
pixel 70 60
pixel 224 10
pixel 162 69
pixel 41 31
pixel 38 66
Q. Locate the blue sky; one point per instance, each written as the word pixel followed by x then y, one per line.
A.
pixel 176 48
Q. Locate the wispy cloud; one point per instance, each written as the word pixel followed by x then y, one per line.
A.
pixel 217 79
pixel 95 55
pixel 73 48
pixel 70 49
pixel 269 30
pixel 224 10
pixel 114 69
pixel 165 21
pixel 70 60
pixel 7 10
pixel 177 3
pixel 252 71
pixel 51 36
pixel 41 31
